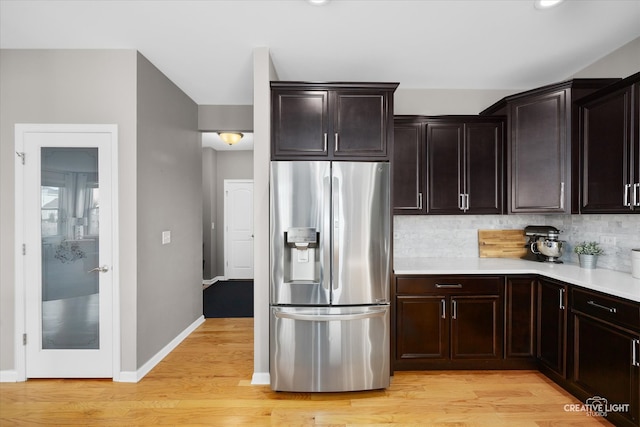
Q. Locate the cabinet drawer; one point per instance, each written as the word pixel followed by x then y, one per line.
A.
pixel 609 309
pixel 449 285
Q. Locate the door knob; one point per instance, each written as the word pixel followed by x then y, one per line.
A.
pixel 102 269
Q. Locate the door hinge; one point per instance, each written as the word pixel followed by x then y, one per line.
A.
pixel 24 249
pixel 24 339
pixel 21 155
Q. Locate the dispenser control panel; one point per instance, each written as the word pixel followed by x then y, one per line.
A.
pixel 302 237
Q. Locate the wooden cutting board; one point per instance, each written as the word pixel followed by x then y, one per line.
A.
pixel 501 243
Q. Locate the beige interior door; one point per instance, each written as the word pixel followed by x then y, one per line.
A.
pixel 238 231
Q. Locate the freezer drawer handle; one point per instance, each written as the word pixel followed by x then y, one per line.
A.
pixel 330 317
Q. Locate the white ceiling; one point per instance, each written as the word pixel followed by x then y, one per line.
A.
pixel 206 47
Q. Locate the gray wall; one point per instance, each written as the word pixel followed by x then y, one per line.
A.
pixel 445 101
pixel 212 118
pixel 621 62
pixel 169 171
pixel 229 165
pixel 209 253
pixel 69 86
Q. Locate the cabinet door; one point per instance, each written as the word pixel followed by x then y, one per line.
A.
pixel 445 166
pixel 483 178
pixel 551 326
pixel 605 140
pixel 408 169
pixel 538 153
pixel 603 364
pixel 520 317
pixel 300 123
pixel 476 331
pixel 361 121
pixel 422 330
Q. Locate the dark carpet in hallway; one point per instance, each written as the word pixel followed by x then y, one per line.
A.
pixel 229 298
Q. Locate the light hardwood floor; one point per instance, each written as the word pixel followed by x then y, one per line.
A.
pixel 206 381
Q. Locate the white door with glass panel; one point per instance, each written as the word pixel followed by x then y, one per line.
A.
pixel 67 255
pixel 238 232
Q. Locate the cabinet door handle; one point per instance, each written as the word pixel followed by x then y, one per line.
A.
pixel 625 199
pixel 461 201
pixel 634 351
pixel 466 202
pixel 636 197
pixel 448 285
pixel 443 304
pixel 325 142
pixel 335 137
pixel 454 309
pixel 561 299
pixel 562 195
pixel 419 200
pixel 603 307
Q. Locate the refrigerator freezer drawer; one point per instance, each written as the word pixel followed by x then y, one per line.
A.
pixel 328 349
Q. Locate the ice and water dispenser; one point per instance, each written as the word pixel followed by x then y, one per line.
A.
pixel 301 260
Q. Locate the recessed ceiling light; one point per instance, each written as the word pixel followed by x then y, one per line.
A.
pixel 318 2
pixel 546 4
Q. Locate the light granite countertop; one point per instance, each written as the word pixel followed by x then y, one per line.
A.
pixel 608 281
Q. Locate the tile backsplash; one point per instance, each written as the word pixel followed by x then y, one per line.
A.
pixel 457 235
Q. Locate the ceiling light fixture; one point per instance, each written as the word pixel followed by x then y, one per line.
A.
pixel 230 137
pixel 546 4
pixel 318 2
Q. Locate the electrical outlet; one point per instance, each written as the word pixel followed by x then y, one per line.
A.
pixel 166 237
pixel 608 240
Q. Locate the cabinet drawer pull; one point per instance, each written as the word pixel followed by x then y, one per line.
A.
pixel 604 307
pixel 448 285
pixel 625 199
pixel 443 303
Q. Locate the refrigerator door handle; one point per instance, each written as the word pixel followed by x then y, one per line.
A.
pixel 335 232
pixel 331 317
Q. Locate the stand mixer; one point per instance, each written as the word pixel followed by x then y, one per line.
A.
pixel 543 243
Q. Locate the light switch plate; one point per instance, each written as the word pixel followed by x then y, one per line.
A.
pixel 166 237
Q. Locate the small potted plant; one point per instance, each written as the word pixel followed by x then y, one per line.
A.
pixel 588 254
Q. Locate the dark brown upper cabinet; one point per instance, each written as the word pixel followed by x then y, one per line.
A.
pixel 409 168
pixel 542 134
pixel 465 165
pixel 448 164
pixel 610 149
pixel 331 121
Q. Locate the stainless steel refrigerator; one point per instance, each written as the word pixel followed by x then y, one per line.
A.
pixel 330 237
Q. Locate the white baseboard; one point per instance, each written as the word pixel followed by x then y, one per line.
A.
pixel 9 376
pixel 135 376
pixel 261 378
pixel 208 282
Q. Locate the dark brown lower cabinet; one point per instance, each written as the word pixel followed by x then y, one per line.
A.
pixel 606 365
pixel 520 318
pixel 552 328
pixel 586 341
pixel 445 322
